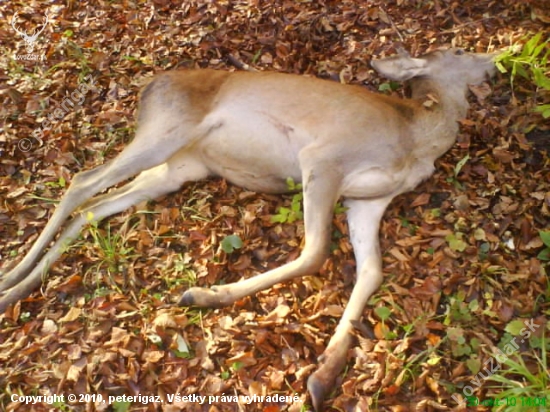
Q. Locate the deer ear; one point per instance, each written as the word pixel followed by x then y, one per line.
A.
pixel 401 68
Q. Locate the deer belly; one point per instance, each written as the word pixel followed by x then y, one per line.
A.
pixel 373 182
pixel 259 160
pixel 255 179
pixel 380 181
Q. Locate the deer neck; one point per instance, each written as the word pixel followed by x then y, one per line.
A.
pixel 442 106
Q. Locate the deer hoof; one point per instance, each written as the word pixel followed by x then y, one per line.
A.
pixel 187 299
pixel 203 297
pixel 318 386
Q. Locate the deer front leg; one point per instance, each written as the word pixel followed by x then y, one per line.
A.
pixel 321 185
pixel 364 220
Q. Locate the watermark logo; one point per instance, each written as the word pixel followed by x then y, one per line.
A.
pixel 30 39
pixel 494 363
pixel 71 102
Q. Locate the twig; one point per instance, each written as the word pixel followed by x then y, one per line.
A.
pixel 394 27
pixel 239 64
pixel 469 23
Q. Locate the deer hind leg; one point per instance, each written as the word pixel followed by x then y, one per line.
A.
pixel 135 158
pixel 152 183
pixel 364 220
pixel 320 194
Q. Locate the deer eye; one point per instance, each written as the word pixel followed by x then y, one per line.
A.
pixel 459 52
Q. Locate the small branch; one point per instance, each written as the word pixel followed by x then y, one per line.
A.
pixel 394 27
pixel 239 64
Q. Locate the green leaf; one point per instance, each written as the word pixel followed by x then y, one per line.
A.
pixel 479 234
pixel 231 242
pixel 286 215
pixel 529 48
pixel 382 312
pixel 543 109
pixel 521 71
pixel 121 406
pixel 455 242
pixel 434 360
pixel 292 185
pixel 257 55
pixel 500 67
pixel 384 87
pixel 540 78
pixel 514 327
pixel 502 61
pixel 545 237
pixel 237 365
pixel 538 49
pixel 388 86
pixel 461 164
pixel 464 350
pixel 474 365
pixel 339 208
pixel 473 305
pixel 544 254
pixel 281 216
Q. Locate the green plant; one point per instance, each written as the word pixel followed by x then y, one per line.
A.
pixel 230 243
pixel 408 225
pixel 182 272
pixel 339 208
pixel 25 316
pixel 237 365
pixel 456 241
pixel 458 167
pixel 384 314
pixel 529 61
pixel 79 54
pixel 121 406
pixel 460 311
pixel 61 183
pixel 460 346
pixel 112 247
pixel 521 330
pixel 290 215
pixel 390 86
pixel 544 254
pixel 525 382
pixel 62 406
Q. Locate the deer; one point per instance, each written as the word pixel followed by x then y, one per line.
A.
pixel 257 129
